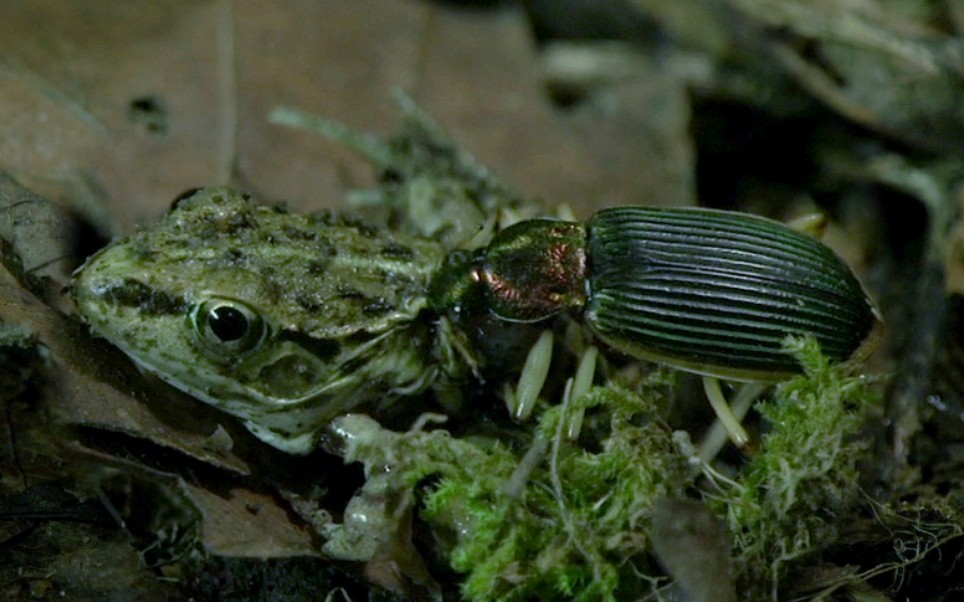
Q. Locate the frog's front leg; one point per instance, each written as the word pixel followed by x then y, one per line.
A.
pixel 376 527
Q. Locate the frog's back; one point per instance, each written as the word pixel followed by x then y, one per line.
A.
pixel 323 275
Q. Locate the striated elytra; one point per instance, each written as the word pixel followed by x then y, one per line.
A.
pixel 707 291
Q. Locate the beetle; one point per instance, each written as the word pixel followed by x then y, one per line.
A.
pixel 706 291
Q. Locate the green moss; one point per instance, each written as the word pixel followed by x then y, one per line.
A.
pixel 788 501
pixel 573 520
pixel 578 528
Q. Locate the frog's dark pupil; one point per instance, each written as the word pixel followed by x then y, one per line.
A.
pixel 228 323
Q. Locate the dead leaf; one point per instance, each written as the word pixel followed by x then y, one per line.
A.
pixel 93 385
pixel 130 107
pixel 245 523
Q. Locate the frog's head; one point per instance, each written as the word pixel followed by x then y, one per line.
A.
pixel 252 310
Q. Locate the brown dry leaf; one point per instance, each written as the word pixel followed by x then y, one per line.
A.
pixel 93 385
pixel 38 232
pixel 244 523
pixel 130 104
pixel 117 107
pixel 70 78
pixel 478 73
pixel 233 521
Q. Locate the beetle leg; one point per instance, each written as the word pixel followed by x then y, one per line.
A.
pixel 716 438
pixel 522 401
pixel 580 386
pixel 723 412
pixel 812 224
pixel 576 387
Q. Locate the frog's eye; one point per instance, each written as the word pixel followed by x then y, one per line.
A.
pixel 225 325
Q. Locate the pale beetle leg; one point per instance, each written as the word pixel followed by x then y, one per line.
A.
pixel 723 412
pixel 564 212
pixel 533 377
pixel 580 386
pixel 508 216
pixel 483 234
pixel 812 224
pixel 575 388
pixel 716 437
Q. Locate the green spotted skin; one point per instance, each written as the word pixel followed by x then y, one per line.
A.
pixel 717 292
pixel 284 321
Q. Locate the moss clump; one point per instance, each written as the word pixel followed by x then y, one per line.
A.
pixel 789 500
pixel 578 528
pixel 573 521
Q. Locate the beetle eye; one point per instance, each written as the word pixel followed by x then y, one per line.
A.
pixel 225 325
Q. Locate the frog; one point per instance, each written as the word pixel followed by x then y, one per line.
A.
pixel 290 323
pixel 284 321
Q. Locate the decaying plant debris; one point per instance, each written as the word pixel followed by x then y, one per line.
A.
pixel 853 485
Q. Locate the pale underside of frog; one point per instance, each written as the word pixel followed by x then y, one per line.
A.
pixel 288 321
